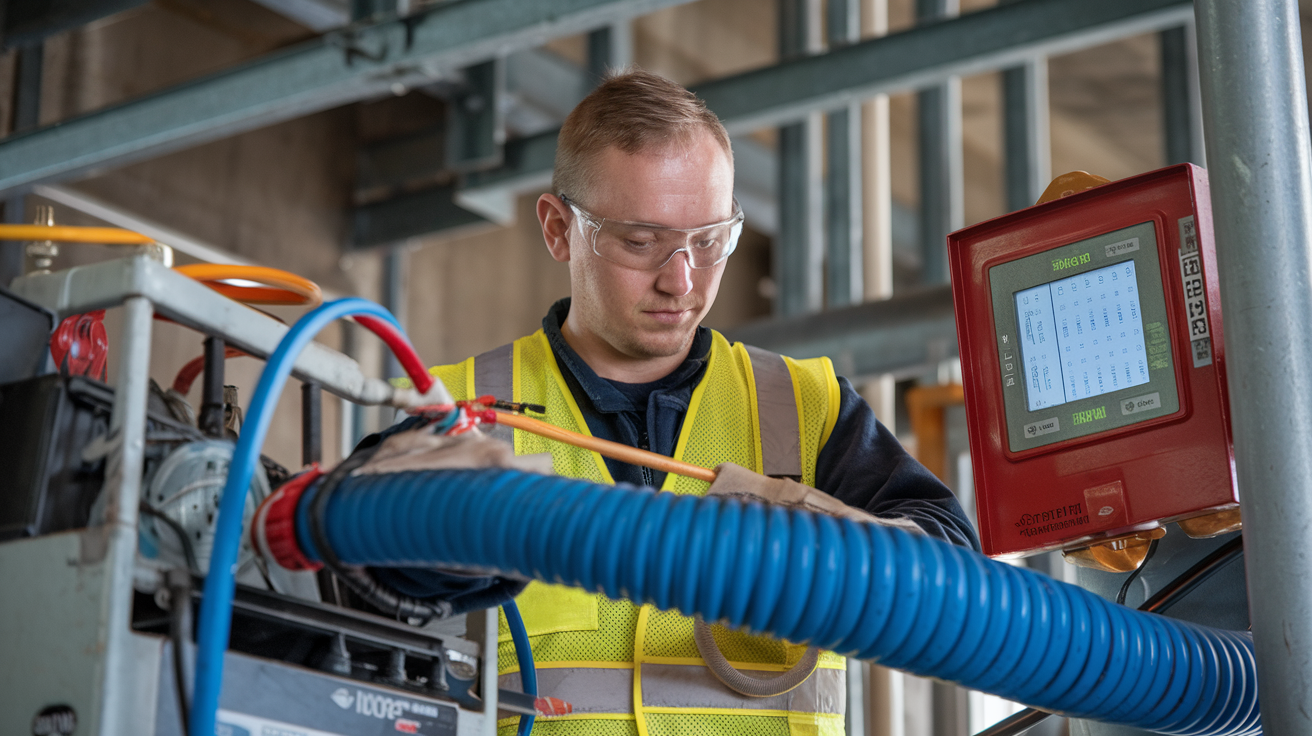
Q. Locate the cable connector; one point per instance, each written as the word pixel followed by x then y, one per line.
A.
pixel 273 531
pixel 518 407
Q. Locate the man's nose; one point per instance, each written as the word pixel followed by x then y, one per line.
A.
pixel 675 277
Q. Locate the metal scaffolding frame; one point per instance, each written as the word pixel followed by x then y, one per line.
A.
pixel 979 42
pixel 793 89
pixel 338 68
pixel 1253 103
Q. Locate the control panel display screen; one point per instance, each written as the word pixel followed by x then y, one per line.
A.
pixel 1081 336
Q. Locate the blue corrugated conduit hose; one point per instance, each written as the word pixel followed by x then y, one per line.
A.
pixel 876 593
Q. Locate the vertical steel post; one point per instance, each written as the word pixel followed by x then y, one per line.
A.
pixel 210 418
pixel 1181 111
pixel 394 273
pixel 877 226
pixel 1025 138
pixel 799 246
pixel 1025 132
pixel 311 424
pixel 942 210
pixel 843 264
pixel 369 11
pixel 352 429
pixel 609 48
pixel 123 469
pixel 942 194
pixel 1255 121
pixel 26 115
pixel 599 48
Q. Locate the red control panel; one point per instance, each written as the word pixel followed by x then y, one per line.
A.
pixel 1094 370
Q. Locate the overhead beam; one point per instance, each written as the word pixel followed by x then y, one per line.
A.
pixel 409 215
pixel 975 43
pixel 28 22
pixel 980 42
pixel 901 335
pixel 333 70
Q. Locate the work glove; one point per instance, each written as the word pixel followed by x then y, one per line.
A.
pixel 422 450
pixel 735 481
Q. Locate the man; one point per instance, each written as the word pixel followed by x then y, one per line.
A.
pixel 642 211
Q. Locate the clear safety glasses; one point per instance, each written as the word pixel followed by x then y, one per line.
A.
pixel 645 247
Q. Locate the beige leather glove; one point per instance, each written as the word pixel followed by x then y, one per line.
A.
pixel 422 450
pixel 736 481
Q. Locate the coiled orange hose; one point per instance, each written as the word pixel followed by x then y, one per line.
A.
pixel 287 288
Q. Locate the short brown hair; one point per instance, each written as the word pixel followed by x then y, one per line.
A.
pixel 633 110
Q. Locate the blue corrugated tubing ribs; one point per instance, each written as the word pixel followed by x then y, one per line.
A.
pixel 877 593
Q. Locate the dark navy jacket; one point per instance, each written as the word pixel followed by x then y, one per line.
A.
pixel 862 464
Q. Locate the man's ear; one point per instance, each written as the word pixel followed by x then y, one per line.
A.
pixel 556 219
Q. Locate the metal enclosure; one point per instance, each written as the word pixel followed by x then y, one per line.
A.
pixel 68 601
pixel 1110 457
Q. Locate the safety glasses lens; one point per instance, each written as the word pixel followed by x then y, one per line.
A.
pixel 645 248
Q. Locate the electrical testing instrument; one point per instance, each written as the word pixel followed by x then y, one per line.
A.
pixel 1094 372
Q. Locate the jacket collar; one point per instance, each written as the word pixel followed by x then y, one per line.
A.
pixel 604 395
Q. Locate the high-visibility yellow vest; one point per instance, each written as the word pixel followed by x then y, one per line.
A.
pixel 630 669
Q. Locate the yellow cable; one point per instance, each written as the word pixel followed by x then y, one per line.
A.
pixel 69 234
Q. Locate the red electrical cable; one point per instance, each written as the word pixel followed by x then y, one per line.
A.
pixel 402 349
pixel 187 376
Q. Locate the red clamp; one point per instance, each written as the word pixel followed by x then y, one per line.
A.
pixel 273 533
pixel 80 345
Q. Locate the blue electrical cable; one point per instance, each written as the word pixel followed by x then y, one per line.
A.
pixel 528 673
pixel 904 600
pixel 216 605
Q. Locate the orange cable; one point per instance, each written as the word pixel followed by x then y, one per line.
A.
pixel 277 286
pixel 613 450
pixel 288 287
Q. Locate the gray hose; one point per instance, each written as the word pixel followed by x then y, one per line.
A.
pixel 743 683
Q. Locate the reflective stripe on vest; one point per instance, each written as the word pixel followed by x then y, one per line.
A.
pixel 606 690
pixel 776 405
pixel 494 374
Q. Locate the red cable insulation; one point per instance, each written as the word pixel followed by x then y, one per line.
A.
pixel 402 349
pixel 187 376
